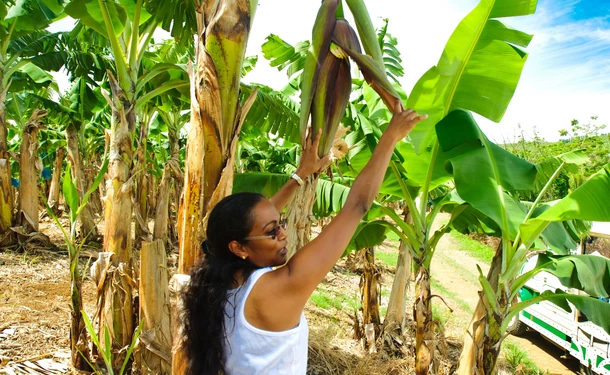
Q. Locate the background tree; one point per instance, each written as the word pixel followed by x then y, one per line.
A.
pixel 23 50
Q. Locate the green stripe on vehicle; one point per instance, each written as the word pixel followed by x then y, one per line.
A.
pixel 546 326
pixel 526 294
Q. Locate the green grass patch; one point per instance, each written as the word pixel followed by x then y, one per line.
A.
pixel 385 292
pixel 473 247
pixel 441 314
pixel 389 258
pixel 325 299
pixel 518 361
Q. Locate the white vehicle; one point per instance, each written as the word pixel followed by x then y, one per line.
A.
pixel 582 339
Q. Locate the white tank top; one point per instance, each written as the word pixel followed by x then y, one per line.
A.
pixel 253 351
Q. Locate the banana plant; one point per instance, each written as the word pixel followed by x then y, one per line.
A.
pixel 73 112
pixel 128 28
pixel 222 29
pixel 486 178
pixel 79 344
pixel 26 53
pixel 28 115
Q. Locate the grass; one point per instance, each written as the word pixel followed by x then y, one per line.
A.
pixel 389 258
pixel 326 299
pixel 441 314
pixel 518 361
pixel 449 294
pixel 473 247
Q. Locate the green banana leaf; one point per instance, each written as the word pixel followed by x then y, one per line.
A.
pixel 35 73
pixel 89 13
pixel 589 273
pixel 272 112
pixel 483 171
pixel 282 55
pixel 478 70
pixel 595 310
pixel 266 184
pixel 557 236
pixel 465 218
pixel 368 234
pixel 588 202
pixel 31 16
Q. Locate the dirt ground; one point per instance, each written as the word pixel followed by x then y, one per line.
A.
pixel 34 312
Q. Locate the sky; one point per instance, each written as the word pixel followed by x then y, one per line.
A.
pixel 566 76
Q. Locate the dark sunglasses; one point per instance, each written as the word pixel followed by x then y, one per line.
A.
pixel 273 233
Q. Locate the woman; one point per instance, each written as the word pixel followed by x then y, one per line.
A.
pixel 241 315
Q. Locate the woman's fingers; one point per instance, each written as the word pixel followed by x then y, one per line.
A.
pixel 420 118
pixel 316 141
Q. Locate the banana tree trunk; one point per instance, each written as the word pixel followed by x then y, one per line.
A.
pixel 298 215
pixel 393 325
pixel 117 313
pixel 177 185
pixel 216 119
pixel 204 160
pixel 79 344
pixel 141 196
pixel 55 188
pixel 370 295
pixel 91 172
pixel 6 189
pixel 424 325
pixel 482 341
pixel 86 222
pixel 155 339
pixel 28 193
pixel 162 213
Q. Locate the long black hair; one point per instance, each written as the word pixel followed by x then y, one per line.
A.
pixel 205 297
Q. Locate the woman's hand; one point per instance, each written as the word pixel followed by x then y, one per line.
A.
pixel 402 122
pixel 310 162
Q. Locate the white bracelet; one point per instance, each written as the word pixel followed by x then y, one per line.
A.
pixel 298 179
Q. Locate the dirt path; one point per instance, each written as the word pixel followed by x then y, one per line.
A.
pixel 455 275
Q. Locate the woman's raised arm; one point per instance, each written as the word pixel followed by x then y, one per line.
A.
pixel 306 269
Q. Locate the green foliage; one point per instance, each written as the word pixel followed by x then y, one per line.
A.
pixel 595 147
pixel 518 361
pixel 105 352
pixel 325 299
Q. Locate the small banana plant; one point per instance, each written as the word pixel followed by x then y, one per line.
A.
pixel 78 339
pixel 105 351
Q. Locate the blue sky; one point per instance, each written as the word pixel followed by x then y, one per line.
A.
pixel 567 75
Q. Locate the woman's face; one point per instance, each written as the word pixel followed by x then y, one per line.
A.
pixel 266 252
